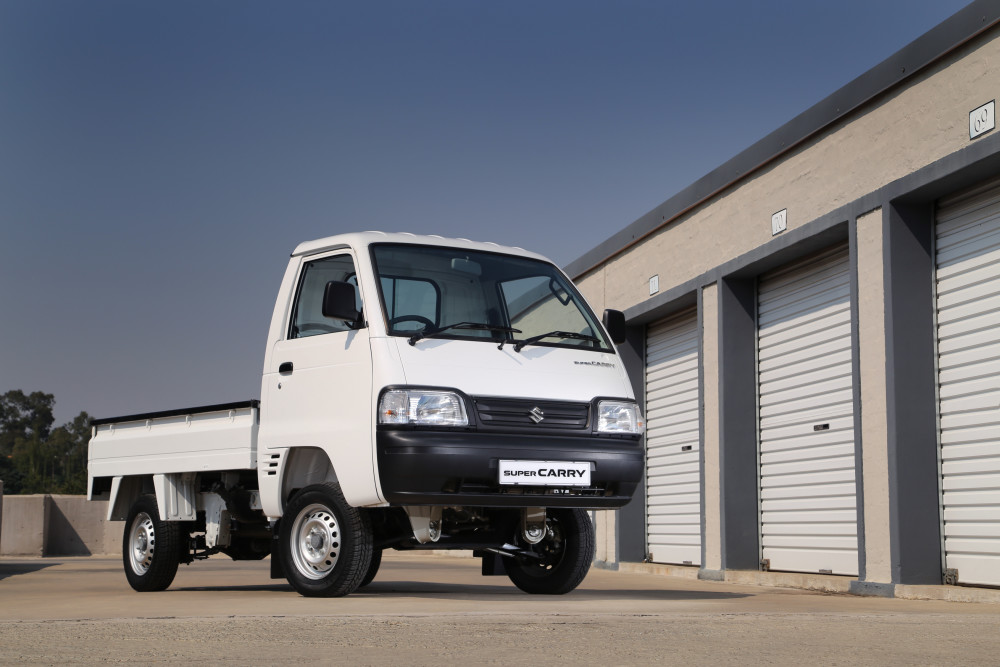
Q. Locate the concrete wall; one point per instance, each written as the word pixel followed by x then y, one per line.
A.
pixel 77 526
pixel 874 428
pixel 869 178
pixel 24 525
pixel 711 465
pixel 606 529
pixel 913 126
pixel 47 525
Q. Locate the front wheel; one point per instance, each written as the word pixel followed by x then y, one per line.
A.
pixel 326 545
pixel 561 560
pixel 151 548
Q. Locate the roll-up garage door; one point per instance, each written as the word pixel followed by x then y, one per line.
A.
pixel 673 496
pixel 968 340
pixel 808 500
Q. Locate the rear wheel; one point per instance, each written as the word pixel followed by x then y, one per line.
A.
pixel 150 547
pixel 326 545
pixel 373 568
pixel 561 560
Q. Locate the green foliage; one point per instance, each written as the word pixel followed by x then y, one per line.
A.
pixel 34 457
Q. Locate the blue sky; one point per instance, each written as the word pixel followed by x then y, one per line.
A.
pixel 159 161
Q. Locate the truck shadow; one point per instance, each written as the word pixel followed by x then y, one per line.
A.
pixel 8 569
pixel 409 589
pixel 253 588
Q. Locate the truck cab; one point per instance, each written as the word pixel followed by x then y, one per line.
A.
pixel 417 392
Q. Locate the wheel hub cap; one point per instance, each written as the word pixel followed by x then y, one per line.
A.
pixel 316 547
pixel 315 540
pixel 142 538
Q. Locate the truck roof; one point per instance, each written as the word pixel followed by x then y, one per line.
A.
pixel 364 239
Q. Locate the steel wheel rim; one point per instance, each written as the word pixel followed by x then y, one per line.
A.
pixel 315 542
pixel 142 543
pixel 553 550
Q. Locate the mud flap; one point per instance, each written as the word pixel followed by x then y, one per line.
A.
pixel 493 564
pixel 277 567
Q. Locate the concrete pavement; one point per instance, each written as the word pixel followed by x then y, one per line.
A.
pixel 425 609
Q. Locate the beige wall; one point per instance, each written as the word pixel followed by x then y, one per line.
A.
pixel 896 134
pixel 44 525
pixel 591 287
pixel 711 415
pixel 914 125
pixel 902 131
pixel 607 543
pixel 874 433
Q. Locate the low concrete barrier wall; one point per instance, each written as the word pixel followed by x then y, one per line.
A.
pixel 78 526
pixel 24 523
pixel 57 525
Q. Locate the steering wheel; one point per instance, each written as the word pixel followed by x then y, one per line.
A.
pixel 411 318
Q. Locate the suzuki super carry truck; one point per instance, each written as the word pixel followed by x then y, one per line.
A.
pixel 417 393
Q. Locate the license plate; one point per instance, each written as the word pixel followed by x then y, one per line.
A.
pixel 545 473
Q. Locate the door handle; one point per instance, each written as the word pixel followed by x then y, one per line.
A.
pixel 286 367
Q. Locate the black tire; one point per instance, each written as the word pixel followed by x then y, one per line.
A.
pixel 565 553
pixel 326 545
pixel 372 568
pixel 151 549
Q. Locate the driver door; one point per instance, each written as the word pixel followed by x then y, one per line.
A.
pixel 318 390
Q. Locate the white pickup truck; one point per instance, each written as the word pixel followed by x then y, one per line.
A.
pixel 417 393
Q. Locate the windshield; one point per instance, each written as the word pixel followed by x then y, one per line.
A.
pixel 430 291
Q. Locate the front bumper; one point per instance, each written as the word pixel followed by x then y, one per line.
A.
pixel 418 467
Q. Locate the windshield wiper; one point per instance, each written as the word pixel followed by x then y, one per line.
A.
pixel 475 326
pixel 554 334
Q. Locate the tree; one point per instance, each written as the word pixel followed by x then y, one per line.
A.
pixel 24 416
pixel 34 458
pixel 67 447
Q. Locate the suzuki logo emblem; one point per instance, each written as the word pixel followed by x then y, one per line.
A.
pixel 536 414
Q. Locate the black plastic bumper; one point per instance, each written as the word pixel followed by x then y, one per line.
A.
pixel 461 468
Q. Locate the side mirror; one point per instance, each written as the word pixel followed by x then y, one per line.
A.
pixel 340 302
pixel 614 322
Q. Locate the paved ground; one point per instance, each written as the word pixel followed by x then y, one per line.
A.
pixel 430 610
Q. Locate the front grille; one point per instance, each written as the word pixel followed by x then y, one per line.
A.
pixel 502 413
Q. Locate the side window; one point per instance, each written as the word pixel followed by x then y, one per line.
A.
pixel 307 318
pixel 410 303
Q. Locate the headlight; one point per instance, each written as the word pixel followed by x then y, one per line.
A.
pixel 422 406
pixel 619 417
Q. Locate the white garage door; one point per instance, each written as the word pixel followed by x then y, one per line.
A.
pixel 673 497
pixel 808 500
pixel 968 339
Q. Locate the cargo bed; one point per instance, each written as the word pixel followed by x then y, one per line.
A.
pixel 212 437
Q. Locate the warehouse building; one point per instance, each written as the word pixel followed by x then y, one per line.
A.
pixel 815 334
